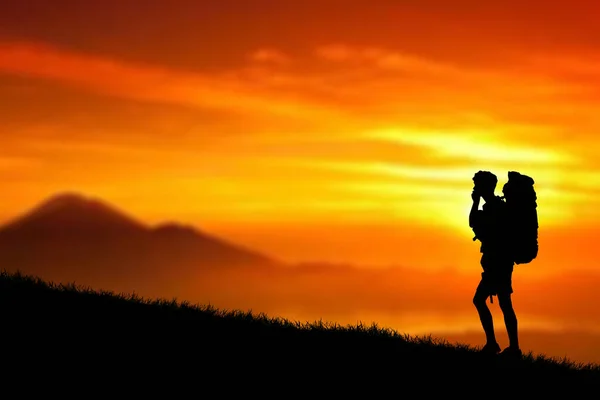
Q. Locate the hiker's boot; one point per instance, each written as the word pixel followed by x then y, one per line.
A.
pixel 511 353
pixel 492 348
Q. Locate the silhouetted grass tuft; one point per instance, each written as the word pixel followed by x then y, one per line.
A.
pixel 71 329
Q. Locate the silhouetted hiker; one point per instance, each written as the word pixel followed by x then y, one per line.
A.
pixel 491 227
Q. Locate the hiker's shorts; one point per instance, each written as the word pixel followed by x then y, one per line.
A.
pixel 496 277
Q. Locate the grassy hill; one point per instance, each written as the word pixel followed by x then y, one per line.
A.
pixel 104 340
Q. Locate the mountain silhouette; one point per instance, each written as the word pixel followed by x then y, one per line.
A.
pixel 72 214
pixel 73 238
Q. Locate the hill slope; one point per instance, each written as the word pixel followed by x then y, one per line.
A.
pixel 72 331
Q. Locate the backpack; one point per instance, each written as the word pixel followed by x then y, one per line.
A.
pixel 520 198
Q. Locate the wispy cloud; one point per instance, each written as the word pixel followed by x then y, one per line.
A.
pixel 377 122
pixel 12 163
pixel 151 83
pixel 268 55
pixel 476 146
pixel 385 59
pixel 350 89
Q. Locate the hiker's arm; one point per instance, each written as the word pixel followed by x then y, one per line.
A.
pixel 474 208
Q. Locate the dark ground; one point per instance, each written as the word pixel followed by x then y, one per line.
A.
pixel 88 342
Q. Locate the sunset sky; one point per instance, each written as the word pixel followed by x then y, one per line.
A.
pixel 311 130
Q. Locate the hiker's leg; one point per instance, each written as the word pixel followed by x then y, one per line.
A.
pixel 485 315
pixel 510 319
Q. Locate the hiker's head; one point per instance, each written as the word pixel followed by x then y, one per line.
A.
pixel 485 183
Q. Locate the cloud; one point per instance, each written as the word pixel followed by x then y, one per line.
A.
pixel 266 55
pixel 476 146
pixel 385 59
pixel 11 163
pixel 349 90
pixel 370 131
pixel 568 65
pixel 510 91
pixel 151 83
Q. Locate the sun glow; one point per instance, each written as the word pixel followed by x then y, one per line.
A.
pixel 476 146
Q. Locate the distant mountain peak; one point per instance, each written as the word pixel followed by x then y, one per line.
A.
pixel 72 210
pixel 74 229
pixel 68 200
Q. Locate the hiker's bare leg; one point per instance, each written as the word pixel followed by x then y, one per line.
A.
pixel 510 319
pixel 485 315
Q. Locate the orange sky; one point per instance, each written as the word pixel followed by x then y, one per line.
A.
pixel 311 130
